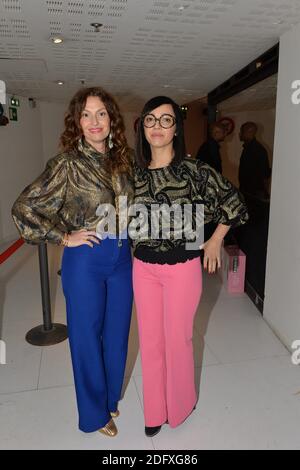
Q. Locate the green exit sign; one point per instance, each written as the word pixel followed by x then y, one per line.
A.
pixel 15 102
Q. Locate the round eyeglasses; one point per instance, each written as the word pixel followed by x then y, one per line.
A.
pixel 165 120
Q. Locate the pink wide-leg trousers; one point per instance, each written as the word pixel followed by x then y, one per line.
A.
pixel 166 298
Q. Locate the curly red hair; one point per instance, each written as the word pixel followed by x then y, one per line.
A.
pixel 120 160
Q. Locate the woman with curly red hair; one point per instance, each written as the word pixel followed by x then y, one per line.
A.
pixel 62 206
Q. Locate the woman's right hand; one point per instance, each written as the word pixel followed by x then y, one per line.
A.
pixel 82 237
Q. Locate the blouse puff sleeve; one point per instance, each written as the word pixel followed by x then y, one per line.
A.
pixel 36 210
pixel 223 203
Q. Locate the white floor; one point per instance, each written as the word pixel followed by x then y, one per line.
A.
pixel 249 389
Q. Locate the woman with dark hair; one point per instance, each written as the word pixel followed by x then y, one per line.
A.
pixel 167 276
pixel 64 205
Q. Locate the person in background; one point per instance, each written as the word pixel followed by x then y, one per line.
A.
pixel 254 168
pixel 209 152
pixel 167 275
pixel 61 207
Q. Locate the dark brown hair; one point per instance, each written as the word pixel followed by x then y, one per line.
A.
pixel 143 151
pixel 120 160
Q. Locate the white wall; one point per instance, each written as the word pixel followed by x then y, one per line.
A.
pixel 26 145
pixel 282 302
pixel 21 153
pixel 232 147
pixel 52 125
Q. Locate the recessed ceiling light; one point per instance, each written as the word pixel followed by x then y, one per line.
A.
pixel 56 39
pixel 278 22
pixel 96 27
pixel 182 7
pixel 60 82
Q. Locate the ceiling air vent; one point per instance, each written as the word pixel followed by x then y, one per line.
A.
pixel 12 5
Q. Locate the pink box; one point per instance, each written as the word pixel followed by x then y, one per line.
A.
pixel 233 268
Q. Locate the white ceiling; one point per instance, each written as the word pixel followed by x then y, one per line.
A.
pixel 145 48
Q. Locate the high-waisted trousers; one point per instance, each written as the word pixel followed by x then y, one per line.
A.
pixel 166 298
pixel 97 284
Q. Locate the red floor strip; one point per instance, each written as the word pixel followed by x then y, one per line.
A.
pixel 10 250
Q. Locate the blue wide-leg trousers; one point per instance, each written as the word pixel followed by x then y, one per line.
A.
pixel 97 284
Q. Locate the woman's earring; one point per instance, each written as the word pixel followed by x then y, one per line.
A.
pixel 110 141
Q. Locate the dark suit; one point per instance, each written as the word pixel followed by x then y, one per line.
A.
pixel 209 153
pixel 254 170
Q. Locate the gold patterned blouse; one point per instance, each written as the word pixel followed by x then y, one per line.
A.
pixel 65 197
pixel 191 182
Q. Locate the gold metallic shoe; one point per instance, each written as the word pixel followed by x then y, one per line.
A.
pixel 110 429
pixel 115 414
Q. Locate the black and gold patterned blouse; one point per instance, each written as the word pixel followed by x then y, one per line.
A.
pixel 190 182
pixel 65 197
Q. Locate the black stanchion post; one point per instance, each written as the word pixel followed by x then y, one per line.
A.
pixel 44 276
pixel 49 333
